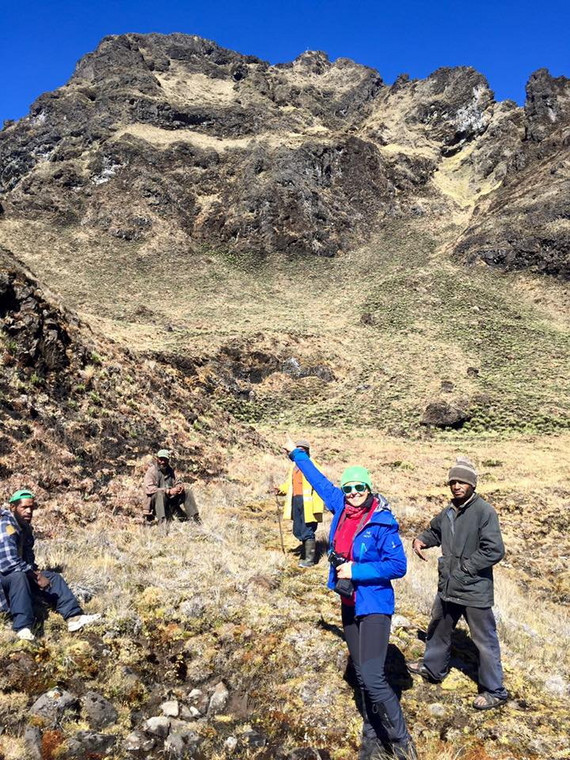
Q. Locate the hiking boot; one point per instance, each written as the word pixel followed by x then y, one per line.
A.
pixel 310 549
pixel 77 622
pixel 25 634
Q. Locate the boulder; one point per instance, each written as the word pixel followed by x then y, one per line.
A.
pixel 52 705
pixel 98 710
pixel 443 414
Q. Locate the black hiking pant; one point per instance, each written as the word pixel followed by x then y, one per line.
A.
pixel 367 639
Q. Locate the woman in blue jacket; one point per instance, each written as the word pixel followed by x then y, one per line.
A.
pixel 365 553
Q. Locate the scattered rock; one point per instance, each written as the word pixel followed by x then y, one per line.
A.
pixel 99 711
pixel 219 699
pixel 158 726
pixel 399 621
pixel 557 685
pixel 138 742
pixel 230 744
pixel 437 710
pixel 33 740
pixel 53 704
pixel 89 744
pixel 171 708
pixel 178 745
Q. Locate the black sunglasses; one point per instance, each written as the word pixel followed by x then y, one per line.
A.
pixel 358 487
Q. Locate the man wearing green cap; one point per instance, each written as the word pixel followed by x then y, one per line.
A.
pixel 469 534
pixel 20 578
pixel 165 496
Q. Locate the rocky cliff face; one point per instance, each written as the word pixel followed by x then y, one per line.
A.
pixel 172 141
pixel 82 412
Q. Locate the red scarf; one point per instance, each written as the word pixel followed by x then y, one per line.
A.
pixel 351 520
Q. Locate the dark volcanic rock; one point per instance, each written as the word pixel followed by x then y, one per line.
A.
pixel 524 223
pixel 98 710
pixel 443 414
pixel 173 135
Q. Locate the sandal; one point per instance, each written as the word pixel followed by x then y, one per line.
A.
pixel 486 701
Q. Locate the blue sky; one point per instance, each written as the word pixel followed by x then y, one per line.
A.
pixel 506 40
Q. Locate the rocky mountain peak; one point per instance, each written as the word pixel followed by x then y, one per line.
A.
pixel 172 139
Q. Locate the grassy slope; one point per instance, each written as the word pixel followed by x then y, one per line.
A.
pixel 431 320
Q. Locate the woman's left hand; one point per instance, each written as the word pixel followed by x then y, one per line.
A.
pixel 344 571
pixel 289 445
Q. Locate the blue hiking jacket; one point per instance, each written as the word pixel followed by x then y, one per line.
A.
pixel 377 551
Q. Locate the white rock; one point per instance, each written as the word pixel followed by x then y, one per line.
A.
pixel 230 744
pixel 171 708
pixel 195 694
pixel 219 698
pixel 557 685
pixel 437 710
pixel 399 621
pixel 159 726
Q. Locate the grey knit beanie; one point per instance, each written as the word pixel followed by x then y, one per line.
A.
pixel 464 471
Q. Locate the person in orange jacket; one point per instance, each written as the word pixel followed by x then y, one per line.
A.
pixel 304 506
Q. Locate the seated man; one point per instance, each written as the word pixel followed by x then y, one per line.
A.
pixel 166 497
pixel 20 578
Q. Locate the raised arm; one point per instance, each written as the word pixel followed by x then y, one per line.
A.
pixel 331 495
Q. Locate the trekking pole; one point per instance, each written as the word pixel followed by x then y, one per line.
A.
pixel 279 523
pixel 278 507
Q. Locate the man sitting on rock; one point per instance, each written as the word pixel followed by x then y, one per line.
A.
pixel 166 497
pixel 20 578
pixel 470 538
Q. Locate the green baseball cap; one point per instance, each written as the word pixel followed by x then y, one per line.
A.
pixel 356 474
pixel 163 454
pixel 23 493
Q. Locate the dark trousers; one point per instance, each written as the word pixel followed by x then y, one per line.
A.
pixel 303 531
pixel 367 639
pixel 20 591
pixel 182 506
pixel 483 631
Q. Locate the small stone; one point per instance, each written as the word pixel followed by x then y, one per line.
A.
pixel 195 694
pixel 159 725
pixel 437 710
pixel 558 686
pixel 399 621
pixel 179 745
pixel 89 744
pixel 230 744
pixel 171 708
pixel 138 742
pixel 219 699
pixel 33 740
pixel 186 714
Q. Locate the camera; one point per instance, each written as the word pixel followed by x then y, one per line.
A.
pixel 344 586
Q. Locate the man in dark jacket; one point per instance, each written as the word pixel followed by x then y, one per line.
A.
pixel 470 538
pixel 165 496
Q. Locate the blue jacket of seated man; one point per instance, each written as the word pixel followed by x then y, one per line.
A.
pixel 377 551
